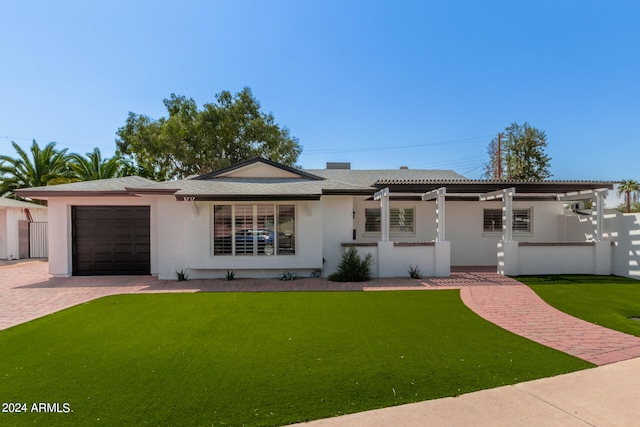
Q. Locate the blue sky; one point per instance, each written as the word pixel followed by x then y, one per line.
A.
pixel 379 84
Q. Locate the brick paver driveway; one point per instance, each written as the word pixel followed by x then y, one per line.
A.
pixel 28 292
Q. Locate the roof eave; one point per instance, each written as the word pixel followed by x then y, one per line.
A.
pixel 244 197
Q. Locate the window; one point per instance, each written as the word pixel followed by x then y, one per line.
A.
pixel 401 220
pixel 254 230
pixel 521 220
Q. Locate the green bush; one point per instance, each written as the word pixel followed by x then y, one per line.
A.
pixel 353 268
pixel 182 275
pixel 415 272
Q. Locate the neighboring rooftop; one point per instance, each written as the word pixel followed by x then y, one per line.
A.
pixel 11 203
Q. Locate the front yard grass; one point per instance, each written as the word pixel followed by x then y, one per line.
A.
pixel 257 358
pixel 607 301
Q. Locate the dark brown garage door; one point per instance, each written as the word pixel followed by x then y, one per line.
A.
pixel 111 240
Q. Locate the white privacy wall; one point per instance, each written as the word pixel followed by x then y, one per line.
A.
pixel 620 228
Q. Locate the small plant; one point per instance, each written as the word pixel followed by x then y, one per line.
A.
pixel 353 268
pixel 289 276
pixel 230 275
pixel 414 272
pixel 182 275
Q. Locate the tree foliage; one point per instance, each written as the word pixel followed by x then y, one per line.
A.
pixel 522 154
pixel 92 166
pixel 192 141
pixel 39 167
pixel 631 189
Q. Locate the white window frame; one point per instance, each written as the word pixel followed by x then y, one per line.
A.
pixel 393 229
pixel 276 229
pixel 516 220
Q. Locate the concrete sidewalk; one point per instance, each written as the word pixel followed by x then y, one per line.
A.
pixel 604 396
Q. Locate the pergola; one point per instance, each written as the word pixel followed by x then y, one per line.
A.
pixel 486 190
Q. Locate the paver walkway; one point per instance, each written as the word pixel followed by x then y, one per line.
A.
pixel 28 292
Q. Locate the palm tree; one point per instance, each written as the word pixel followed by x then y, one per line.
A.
pixel 45 166
pixel 631 189
pixel 93 166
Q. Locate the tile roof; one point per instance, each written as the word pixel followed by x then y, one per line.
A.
pixel 370 177
pixel 259 187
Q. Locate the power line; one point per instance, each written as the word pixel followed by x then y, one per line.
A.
pixel 364 149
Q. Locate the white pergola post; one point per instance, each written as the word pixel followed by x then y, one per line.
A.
pixel 598 200
pixel 383 196
pixel 507 214
pixel 439 195
pixel 442 249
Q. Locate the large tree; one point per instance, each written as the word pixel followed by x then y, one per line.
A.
pixel 520 154
pixel 630 188
pixel 92 166
pixel 192 141
pixel 44 166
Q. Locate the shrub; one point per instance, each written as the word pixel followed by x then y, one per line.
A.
pixel 353 268
pixel 414 272
pixel 230 275
pixel 289 276
pixel 182 275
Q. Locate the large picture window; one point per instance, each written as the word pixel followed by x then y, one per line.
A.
pixel 493 221
pixel 255 230
pixel 401 220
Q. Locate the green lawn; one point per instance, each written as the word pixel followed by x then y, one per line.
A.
pixel 604 300
pixel 257 358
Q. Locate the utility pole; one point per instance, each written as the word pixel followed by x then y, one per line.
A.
pixel 499 155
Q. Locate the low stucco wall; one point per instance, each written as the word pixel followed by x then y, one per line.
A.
pixel 526 258
pixel 394 259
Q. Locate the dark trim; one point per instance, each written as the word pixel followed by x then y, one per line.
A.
pixel 357 245
pixel 348 192
pixel 245 198
pixel 411 244
pixel 300 172
pixel 541 187
pixel 157 191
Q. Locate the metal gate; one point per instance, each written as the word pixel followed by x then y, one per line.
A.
pixel 38 240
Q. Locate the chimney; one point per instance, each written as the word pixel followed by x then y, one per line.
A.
pixel 338 165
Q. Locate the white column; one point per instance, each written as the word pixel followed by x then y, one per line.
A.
pixel 440 226
pixel 507 214
pixel 598 200
pixel 383 196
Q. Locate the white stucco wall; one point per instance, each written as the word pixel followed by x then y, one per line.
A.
pixel 182 239
pixel 185 242
pixel 620 228
pixel 337 228
pixel 3 233
pixel 470 246
pixel 9 238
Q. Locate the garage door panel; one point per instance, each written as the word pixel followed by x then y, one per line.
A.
pixel 110 240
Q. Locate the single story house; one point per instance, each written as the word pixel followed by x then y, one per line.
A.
pixel 15 216
pixel 260 219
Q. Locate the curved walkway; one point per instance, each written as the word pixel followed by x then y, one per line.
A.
pixel 520 310
pixel 28 292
